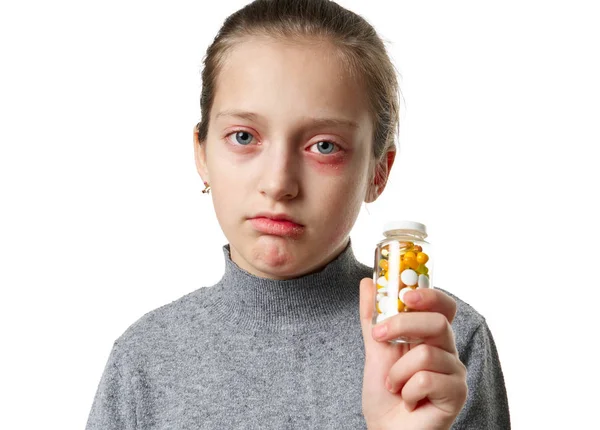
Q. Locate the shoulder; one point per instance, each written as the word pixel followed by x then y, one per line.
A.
pixel 466 323
pixel 164 326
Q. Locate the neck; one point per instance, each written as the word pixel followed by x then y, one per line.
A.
pixel 306 303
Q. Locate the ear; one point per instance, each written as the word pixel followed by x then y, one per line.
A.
pixel 380 176
pixel 200 156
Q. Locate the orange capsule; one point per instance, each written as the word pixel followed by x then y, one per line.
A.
pixel 409 256
pixel 383 264
pixel 418 248
pixel 401 305
pixel 422 258
pixel 406 245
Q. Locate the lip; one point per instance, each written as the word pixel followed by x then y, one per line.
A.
pixel 276 217
pixel 283 225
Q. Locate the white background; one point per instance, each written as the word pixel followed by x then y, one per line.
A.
pixel 103 219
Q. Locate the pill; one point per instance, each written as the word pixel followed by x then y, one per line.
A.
pixel 385 252
pixel 383 264
pixel 406 245
pixel 383 304
pixel 423 281
pixel 409 277
pixel 403 265
pixel 402 292
pixel 380 296
pixel 400 305
pixel 409 256
pixel 422 258
pixel 380 318
pixel 418 248
pixel 382 281
pixel 422 269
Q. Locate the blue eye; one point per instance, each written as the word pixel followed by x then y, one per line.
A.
pixel 324 147
pixel 244 135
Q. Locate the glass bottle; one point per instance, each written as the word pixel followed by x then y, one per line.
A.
pixel 403 262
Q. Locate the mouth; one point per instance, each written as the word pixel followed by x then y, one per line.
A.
pixel 277 217
pixel 277 225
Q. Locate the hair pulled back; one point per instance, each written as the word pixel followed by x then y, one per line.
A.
pixel 359 47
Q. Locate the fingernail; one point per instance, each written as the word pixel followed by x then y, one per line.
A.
pixel 413 296
pixel 380 331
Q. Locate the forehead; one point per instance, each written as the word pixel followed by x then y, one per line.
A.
pixel 288 79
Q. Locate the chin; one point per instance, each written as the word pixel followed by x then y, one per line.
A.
pixel 276 253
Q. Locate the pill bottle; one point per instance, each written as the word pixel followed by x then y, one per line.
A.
pixel 403 262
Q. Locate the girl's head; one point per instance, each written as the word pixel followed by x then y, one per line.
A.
pixel 299 111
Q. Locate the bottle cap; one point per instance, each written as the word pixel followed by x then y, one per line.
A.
pixel 405 225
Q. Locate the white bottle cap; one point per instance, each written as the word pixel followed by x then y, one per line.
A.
pixel 404 225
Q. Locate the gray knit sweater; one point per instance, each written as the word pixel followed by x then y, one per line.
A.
pixel 255 353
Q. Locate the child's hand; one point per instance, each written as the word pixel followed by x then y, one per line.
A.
pixel 428 380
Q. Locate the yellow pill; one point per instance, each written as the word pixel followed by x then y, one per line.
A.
pixel 413 264
pixel 422 269
pixel 409 256
pixel 377 307
pixel 422 258
pixel 400 306
pixel 383 264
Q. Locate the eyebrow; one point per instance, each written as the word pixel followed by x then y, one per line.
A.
pixel 251 116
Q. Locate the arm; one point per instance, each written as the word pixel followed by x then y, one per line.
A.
pixel 487 404
pixel 114 404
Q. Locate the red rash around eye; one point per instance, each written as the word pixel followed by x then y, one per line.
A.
pixel 330 164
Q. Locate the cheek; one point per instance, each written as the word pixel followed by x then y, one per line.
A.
pixel 344 202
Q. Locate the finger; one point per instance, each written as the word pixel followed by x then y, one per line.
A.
pixel 367 297
pixel 432 327
pixel 379 356
pixel 423 357
pixel 446 392
pixel 432 300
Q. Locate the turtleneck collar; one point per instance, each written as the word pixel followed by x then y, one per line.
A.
pixel 310 302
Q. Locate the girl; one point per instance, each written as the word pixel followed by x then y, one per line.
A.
pixel 299 107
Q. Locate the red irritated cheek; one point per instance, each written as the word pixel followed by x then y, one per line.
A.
pixel 330 164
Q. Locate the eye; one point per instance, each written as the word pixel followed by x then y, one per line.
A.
pixel 242 137
pixel 325 146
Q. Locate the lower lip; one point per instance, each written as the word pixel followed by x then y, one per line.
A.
pixel 277 228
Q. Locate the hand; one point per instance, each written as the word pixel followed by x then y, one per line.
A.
pixel 428 380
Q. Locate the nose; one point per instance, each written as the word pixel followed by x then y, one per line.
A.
pixel 279 176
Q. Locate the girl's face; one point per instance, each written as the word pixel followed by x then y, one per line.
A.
pixel 269 149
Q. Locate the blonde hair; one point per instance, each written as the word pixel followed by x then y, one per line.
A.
pixel 359 47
